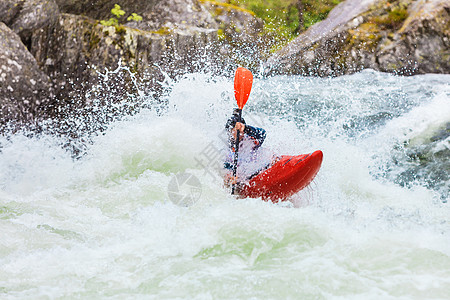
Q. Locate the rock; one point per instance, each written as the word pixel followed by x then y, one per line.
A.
pixel 9 9
pixel 401 36
pixel 234 21
pixel 422 44
pixel 155 13
pixel 24 16
pixel 34 14
pixel 101 9
pixel 24 88
pixel 239 34
pixel 172 35
pixel 73 48
pixel 314 52
pixel 182 13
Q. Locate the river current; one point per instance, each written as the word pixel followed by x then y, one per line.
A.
pixel 374 224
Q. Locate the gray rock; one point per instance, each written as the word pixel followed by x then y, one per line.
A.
pixel 34 15
pixel 235 22
pixel 9 9
pixel 24 16
pixel 155 13
pixel 314 52
pixel 422 44
pixel 239 36
pixel 372 34
pixel 24 88
pixel 101 9
pixel 71 49
pixel 182 13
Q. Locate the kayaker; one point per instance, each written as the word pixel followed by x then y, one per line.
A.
pixel 250 158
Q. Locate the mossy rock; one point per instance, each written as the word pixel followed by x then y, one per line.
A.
pixel 163 31
pixel 366 36
pixel 388 15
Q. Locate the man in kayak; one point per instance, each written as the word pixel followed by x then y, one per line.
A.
pixel 250 159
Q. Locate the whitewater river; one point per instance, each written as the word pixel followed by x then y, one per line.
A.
pixel 374 224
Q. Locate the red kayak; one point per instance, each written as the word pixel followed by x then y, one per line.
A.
pixel 285 177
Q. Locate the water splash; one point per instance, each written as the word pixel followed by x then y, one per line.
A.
pixel 103 222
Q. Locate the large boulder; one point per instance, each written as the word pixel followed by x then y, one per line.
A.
pixel 240 41
pixel 170 36
pixel 178 13
pixel 422 43
pixel 25 16
pixel 401 36
pixel 9 9
pixel 101 9
pixel 155 13
pixel 75 47
pixel 24 88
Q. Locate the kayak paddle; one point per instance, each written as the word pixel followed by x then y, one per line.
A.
pixel 243 80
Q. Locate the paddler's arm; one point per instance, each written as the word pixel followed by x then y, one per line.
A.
pixel 258 134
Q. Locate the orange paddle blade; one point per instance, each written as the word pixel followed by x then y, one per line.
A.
pixel 243 81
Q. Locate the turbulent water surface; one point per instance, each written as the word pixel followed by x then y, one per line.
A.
pixel 374 224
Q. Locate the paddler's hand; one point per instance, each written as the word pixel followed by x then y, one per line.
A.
pixel 230 179
pixel 239 126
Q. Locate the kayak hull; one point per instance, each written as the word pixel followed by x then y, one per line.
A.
pixel 285 177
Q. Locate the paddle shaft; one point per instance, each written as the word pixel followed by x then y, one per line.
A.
pixel 236 152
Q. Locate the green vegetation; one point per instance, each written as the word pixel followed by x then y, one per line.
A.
pixel 366 37
pixel 134 17
pixel 118 13
pixel 390 14
pixel 221 34
pixel 393 19
pixel 285 19
pixel 163 31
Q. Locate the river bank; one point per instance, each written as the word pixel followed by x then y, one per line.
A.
pixel 56 53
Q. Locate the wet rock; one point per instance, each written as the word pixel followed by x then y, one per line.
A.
pixel 422 44
pixel 101 9
pixel 75 47
pixel 9 9
pixel 315 52
pixel 234 22
pixel 24 88
pixel 25 16
pixel 239 33
pixel 402 36
pixel 155 13
pixel 182 13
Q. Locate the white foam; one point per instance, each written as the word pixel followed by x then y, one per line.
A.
pixel 104 226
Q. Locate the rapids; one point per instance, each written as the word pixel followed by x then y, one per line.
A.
pixel 374 224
